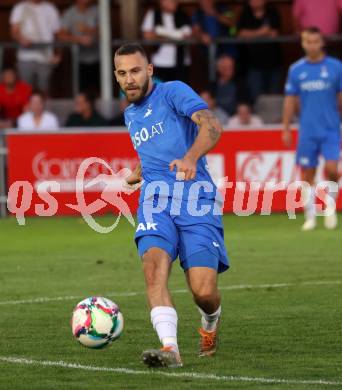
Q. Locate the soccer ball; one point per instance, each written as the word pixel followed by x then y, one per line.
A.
pixel 96 322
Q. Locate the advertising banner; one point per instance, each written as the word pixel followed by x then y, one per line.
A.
pixel 253 169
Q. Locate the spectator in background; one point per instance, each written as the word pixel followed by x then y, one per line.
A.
pixel 244 117
pixel 323 14
pixel 36 117
pixel 14 96
pixel 213 21
pixel 35 22
pixel 219 112
pixel 85 114
pixel 171 62
pixel 80 25
pixel 259 20
pixel 225 90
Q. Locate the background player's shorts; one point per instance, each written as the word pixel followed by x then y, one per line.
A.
pixel 197 240
pixel 309 149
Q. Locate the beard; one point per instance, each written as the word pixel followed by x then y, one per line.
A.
pixel 143 90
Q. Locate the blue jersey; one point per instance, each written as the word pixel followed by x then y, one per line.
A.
pixel 317 85
pixel 161 130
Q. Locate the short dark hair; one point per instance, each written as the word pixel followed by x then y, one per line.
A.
pixel 9 69
pixel 89 96
pixel 131 48
pixel 38 92
pixel 312 30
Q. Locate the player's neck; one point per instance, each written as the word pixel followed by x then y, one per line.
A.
pixel 149 89
pixel 316 58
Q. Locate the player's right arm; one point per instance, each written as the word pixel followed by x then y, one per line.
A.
pixel 290 105
pixel 135 177
pixel 209 132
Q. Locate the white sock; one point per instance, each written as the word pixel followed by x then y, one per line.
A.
pixel 309 197
pixel 209 321
pixel 164 320
pixel 331 200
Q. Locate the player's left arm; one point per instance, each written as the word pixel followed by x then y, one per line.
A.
pixel 209 132
pixel 340 102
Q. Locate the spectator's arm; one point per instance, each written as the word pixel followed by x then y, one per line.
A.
pixel 200 34
pixel 148 27
pixel 177 34
pixel 18 36
pixel 15 22
pixel 227 18
pixel 197 31
pixel 66 36
pixel 252 33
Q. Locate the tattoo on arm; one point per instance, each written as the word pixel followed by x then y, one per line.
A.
pixel 207 118
pixel 214 133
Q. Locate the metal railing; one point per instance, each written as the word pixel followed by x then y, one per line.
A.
pixel 212 49
pixel 73 47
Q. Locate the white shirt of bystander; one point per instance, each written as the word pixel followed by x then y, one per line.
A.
pixel 166 56
pixel 38 22
pixel 235 122
pixel 48 122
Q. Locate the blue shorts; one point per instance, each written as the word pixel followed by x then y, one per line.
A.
pixel 197 240
pixel 309 150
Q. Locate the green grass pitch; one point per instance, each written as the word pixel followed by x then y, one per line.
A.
pixel 282 308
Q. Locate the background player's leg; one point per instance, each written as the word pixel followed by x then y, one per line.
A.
pixel 308 175
pixel 157 266
pixel 331 171
pixel 203 285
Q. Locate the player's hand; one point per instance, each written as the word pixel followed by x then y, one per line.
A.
pixel 133 178
pixel 132 182
pixel 287 138
pixel 186 168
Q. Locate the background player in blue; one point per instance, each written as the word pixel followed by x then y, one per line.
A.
pixel 172 129
pixel 315 82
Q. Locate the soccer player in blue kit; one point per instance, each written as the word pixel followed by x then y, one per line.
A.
pixel 172 129
pixel 315 82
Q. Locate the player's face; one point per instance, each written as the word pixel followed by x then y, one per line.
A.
pixel 133 73
pixel 312 44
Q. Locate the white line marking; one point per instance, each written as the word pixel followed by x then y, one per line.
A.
pixel 180 291
pixel 181 374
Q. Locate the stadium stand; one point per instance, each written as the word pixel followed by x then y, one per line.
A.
pixel 269 108
pixel 201 77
